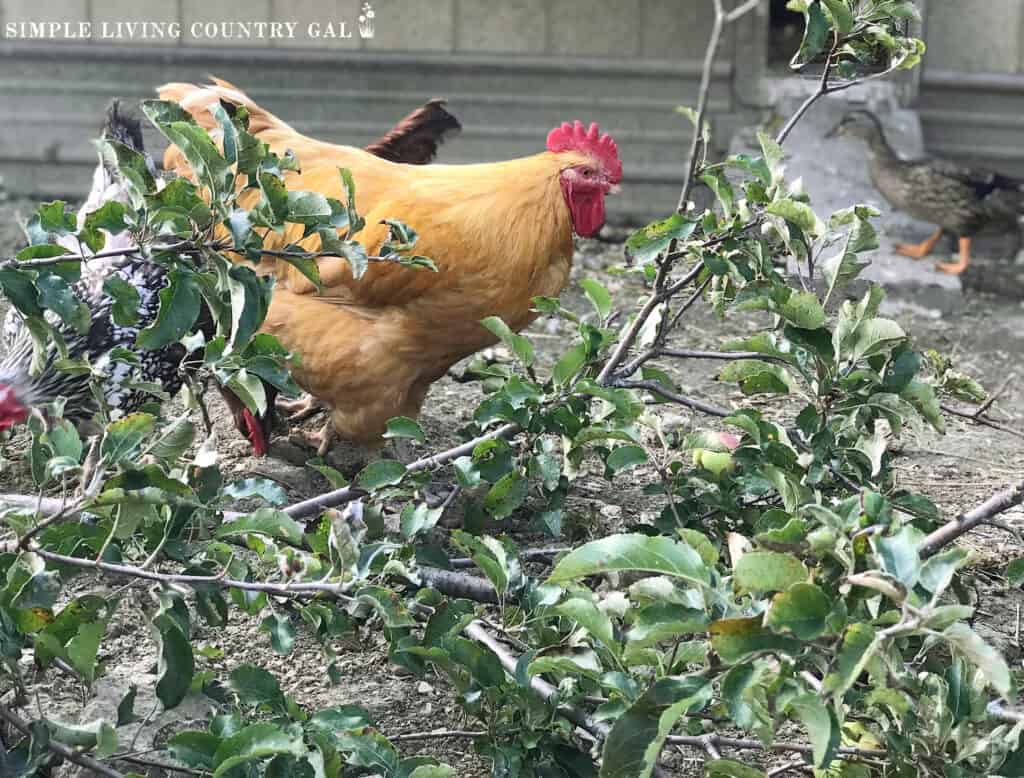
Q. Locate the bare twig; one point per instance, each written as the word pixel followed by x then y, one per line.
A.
pixel 720 741
pixel 979 419
pixel 668 394
pixel 995 395
pixel 527 555
pixel 65 511
pixel 313 506
pixel 741 10
pixel 61 749
pixel 157 764
pixel 798 765
pixel 689 353
pixel 702 103
pixel 994 505
pixel 437 733
pixel 303 589
pixel 820 92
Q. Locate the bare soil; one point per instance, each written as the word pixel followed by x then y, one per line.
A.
pixel 957 470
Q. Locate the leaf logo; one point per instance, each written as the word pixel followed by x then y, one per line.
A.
pixel 366 24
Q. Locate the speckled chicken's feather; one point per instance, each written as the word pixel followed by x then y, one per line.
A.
pixel 159 366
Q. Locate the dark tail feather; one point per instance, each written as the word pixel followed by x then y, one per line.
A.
pixel 123 127
pixel 415 139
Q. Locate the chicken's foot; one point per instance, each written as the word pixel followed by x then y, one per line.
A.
pixel 320 440
pixel 300 409
pixel 958 267
pixel 919 250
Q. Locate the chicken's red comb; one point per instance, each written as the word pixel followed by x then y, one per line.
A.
pixel 573 137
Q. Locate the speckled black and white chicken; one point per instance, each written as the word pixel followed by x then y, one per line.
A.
pixel 123 380
pixel 960 200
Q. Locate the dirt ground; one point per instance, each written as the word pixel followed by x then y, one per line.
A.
pixel 957 470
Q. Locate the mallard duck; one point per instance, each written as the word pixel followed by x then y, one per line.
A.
pixel 960 200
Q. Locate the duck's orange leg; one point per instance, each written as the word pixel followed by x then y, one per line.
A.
pixel 956 268
pixel 919 250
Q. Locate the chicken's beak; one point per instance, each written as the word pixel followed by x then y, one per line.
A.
pixel 614 189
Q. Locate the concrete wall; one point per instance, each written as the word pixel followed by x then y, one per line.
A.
pixel 511 71
pixel 971 97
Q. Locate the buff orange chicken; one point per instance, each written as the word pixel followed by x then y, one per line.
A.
pixel 499 233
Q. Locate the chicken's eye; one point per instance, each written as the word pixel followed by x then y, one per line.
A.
pixel 587 173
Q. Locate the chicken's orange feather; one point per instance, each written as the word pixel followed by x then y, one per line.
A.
pixel 500 234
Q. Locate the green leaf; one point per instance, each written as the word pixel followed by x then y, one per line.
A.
pixel 858 647
pixel 83 647
pixel 249 389
pixel 648 242
pixel 250 299
pixel 490 556
pixel 264 521
pixel 341 718
pixel 729 768
pixel 795 212
pixel 124 435
pixel 388 604
pixel 417 518
pixel 922 397
pixel 520 346
pixel 737 640
pixel 757 377
pixel 59 297
pixel 595 621
pixel 665 621
pixel 990 662
pixel 767 571
pixel 307 208
pixel 815 40
pixel 875 336
pixel 625 457
pixel 660 555
pixel 802 609
pixel 194 748
pixel 821 725
pixel 506 495
pixel 126 708
pixel 404 427
pixel 898 555
pixel 873 447
pixel 637 737
pixel 109 217
pixel 263 488
pixel 569 365
pixel 598 296
pixel 803 310
pixel 254 742
pixel 384 472
pixel 1015 572
pixel 126 301
pixel 281 631
pixel 179 307
pixel 841 15
pixel 255 686
pixel 176 664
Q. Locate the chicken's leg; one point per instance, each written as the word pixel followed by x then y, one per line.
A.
pixel 300 409
pixel 956 268
pixel 919 250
